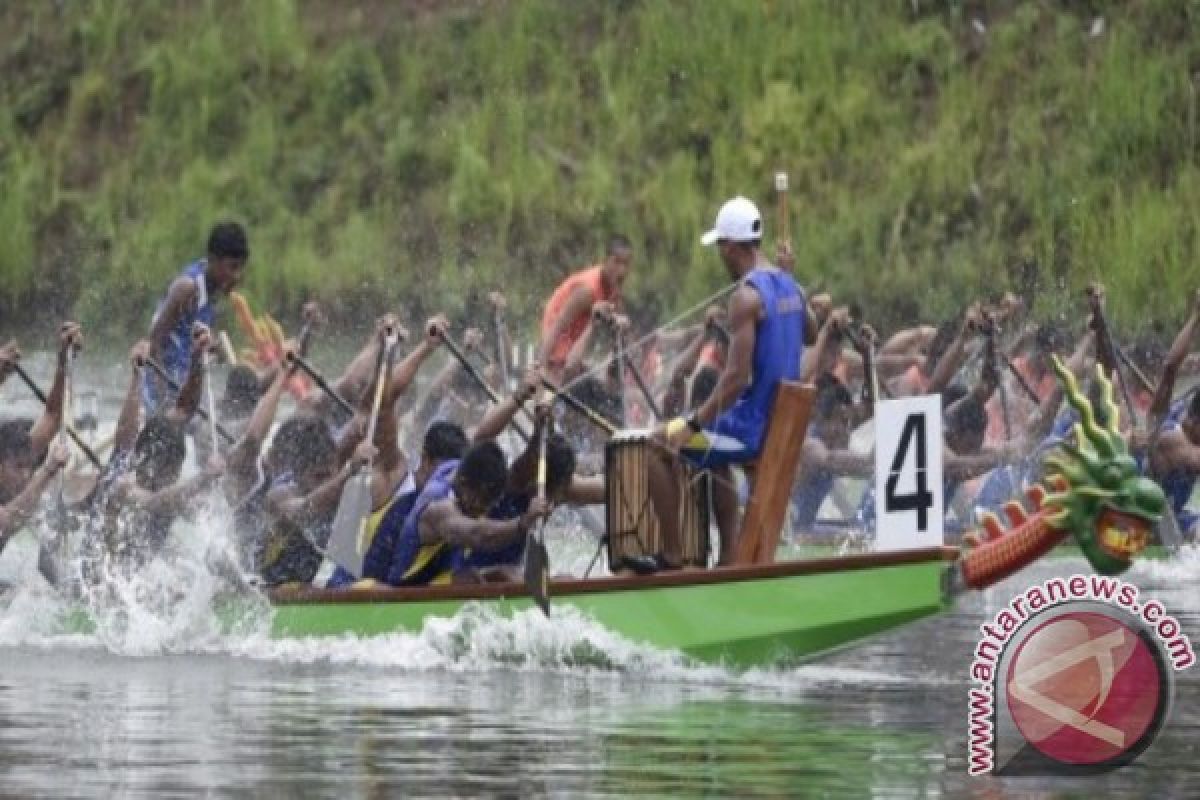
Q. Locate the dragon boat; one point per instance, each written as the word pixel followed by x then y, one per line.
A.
pixel 763 612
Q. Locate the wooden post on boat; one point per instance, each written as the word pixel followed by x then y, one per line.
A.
pixel 774 474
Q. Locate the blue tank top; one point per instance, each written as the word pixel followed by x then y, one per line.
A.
pixel 416 564
pixel 379 554
pixel 288 554
pixel 177 349
pixel 778 347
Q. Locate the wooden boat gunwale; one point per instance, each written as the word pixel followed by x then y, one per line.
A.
pixel 578 586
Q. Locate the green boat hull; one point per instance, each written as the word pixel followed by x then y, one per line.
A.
pixel 738 616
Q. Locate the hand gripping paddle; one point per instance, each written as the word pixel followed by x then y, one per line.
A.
pixel 348 541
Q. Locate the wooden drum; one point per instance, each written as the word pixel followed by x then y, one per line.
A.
pixel 631 519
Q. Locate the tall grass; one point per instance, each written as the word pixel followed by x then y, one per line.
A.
pixel 385 154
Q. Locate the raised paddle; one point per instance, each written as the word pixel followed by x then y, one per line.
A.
pixel 321 383
pixel 577 405
pixel 638 379
pixel 347 542
pixel 71 432
pixel 206 363
pixel 173 385
pixel 471 370
pixel 1024 384
pixel 501 331
pixel 537 560
pixel 65 414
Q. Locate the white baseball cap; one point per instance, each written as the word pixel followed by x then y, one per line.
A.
pixel 737 221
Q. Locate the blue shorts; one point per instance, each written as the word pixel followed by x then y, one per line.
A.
pixel 709 449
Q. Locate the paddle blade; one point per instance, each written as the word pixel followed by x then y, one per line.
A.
pixel 347 542
pixel 537 564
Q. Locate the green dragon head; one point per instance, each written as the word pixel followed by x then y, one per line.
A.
pixel 1099 495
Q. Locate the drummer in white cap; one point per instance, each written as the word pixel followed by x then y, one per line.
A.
pixel 766 325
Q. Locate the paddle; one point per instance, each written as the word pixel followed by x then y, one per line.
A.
pixel 537 560
pixel 501 331
pixel 65 414
pixel 321 383
pixel 577 405
pixel 347 541
pixel 1024 384
pixel 638 379
pixel 471 370
pixel 71 432
pixel 173 385
pixel 206 365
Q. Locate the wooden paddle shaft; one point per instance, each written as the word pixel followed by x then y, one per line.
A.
pixel 461 357
pixel 385 361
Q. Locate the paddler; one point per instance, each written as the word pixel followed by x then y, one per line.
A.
pixel 449 517
pixel 192 298
pixel 139 494
pixel 766 326
pixel 595 290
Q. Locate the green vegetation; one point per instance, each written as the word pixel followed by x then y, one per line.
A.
pixel 413 150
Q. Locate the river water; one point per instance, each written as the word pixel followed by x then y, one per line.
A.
pixel 158 703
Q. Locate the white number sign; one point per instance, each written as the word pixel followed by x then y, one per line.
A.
pixel 908 473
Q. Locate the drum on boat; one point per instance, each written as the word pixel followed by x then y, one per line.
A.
pixel 632 521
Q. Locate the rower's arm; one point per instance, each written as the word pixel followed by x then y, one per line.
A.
pixel 1172 452
pixel 579 302
pixel 908 342
pixel 745 307
pixel 578 352
pixel 353 380
pixel 14 515
pixel 587 490
pixel 406 371
pixel 675 397
pixel 129 422
pixel 1175 357
pixel 1043 420
pixel 176 499
pixel 300 509
pixel 499 416
pixel 839 462
pixel 244 455
pixel 822 357
pixel 51 419
pixel 965 467
pixel 951 361
pixel 442 521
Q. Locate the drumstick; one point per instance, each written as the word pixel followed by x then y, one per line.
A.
pixel 781 198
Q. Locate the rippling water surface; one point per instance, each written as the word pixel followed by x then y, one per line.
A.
pixel 159 704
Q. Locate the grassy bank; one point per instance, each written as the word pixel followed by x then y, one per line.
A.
pixel 418 150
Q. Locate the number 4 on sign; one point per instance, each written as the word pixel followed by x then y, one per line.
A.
pixel 908 473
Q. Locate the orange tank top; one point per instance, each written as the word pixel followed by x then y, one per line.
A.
pixel 593 279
